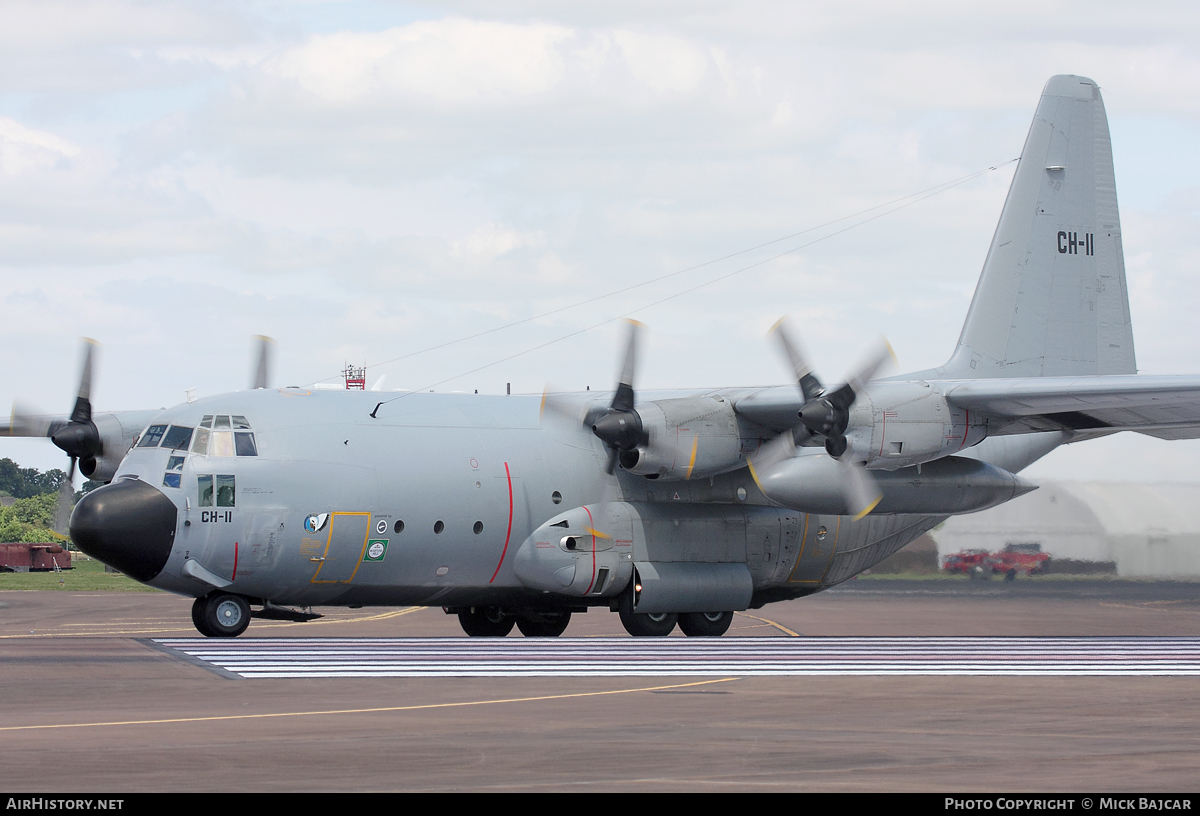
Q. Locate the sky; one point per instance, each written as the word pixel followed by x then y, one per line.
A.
pixel 367 180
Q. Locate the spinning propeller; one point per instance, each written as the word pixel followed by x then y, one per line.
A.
pixel 77 436
pixel 620 427
pixel 825 415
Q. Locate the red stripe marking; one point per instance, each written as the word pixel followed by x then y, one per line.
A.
pixel 591 524
pixel 507 535
pixel 235 553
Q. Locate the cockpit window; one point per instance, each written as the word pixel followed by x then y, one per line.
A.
pixel 222 443
pixel 205 485
pixel 244 442
pixel 151 437
pixel 201 443
pixel 222 440
pixel 225 485
pixel 177 438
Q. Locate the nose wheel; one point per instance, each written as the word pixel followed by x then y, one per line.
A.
pixel 221 615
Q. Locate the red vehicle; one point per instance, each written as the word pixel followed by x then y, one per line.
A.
pixel 966 561
pixel 1014 558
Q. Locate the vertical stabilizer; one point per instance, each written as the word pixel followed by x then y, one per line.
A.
pixel 1052 298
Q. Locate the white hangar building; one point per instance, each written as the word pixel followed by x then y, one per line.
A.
pixel 1148 530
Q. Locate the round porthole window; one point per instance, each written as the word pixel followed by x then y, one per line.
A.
pixel 478 528
pixel 398 526
pixel 556 497
pixel 438 526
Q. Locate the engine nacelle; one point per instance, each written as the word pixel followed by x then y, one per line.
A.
pixel 686 439
pixel 813 484
pixel 688 558
pixel 116 438
pixel 567 556
pixel 895 425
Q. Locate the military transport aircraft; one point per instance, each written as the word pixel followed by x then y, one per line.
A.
pixel 675 510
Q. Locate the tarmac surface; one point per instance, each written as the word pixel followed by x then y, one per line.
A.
pixel 89 701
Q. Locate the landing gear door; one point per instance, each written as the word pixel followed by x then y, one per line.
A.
pixel 344 549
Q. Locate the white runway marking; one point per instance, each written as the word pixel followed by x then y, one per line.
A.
pixel 693 657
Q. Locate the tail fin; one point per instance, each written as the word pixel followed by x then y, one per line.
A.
pixel 1051 299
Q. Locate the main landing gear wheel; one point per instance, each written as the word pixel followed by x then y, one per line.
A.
pixel 544 624
pixel 485 621
pixel 705 624
pixel 221 615
pixel 641 625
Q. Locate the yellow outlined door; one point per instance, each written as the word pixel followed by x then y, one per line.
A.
pixel 344 550
pixel 818 545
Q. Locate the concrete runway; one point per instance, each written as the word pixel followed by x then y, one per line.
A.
pixel 86 693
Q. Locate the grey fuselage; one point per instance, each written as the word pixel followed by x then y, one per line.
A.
pixel 431 501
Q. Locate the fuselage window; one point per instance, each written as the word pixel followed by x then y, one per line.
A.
pixel 175 463
pixel 152 436
pixel 244 443
pixel 206 422
pixel 240 424
pixel 222 422
pixel 177 438
pixel 171 479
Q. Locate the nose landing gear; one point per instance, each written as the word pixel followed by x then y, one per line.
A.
pixel 221 615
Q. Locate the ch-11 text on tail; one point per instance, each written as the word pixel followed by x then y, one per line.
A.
pixel 671 510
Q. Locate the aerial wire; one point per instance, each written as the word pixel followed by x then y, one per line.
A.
pixel 901 203
pixel 926 193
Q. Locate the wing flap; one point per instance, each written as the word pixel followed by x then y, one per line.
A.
pixel 1167 407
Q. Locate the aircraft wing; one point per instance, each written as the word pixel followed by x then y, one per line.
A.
pixel 1167 407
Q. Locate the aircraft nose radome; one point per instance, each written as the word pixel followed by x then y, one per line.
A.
pixel 128 525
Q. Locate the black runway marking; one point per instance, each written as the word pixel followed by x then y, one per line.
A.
pixel 690 657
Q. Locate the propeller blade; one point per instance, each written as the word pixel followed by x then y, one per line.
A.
pixel 611 464
pixel 810 386
pixel 83 403
pixel 771 453
pixel 65 502
pixel 872 363
pixel 27 421
pixel 262 370
pixel 557 406
pixel 623 399
pixel 860 489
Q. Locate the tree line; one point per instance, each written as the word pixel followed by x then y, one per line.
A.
pixel 30 518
